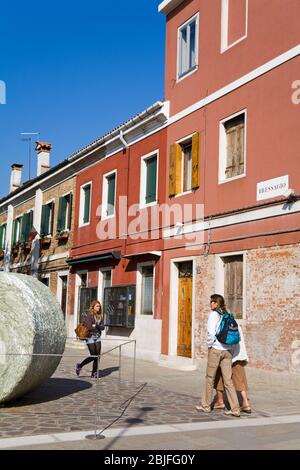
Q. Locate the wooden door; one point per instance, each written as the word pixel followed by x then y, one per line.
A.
pixel 185 296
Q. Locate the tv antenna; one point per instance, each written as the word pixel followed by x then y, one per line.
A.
pixel 29 140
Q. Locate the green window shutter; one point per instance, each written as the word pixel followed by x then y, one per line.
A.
pixel 87 203
pixel 1 237
pixel 15 228
pixel 111 182
pixel 151 164
pixel 62 213
pixel 45 220
pixel 23 228
pixel 51 215
pixel 70 211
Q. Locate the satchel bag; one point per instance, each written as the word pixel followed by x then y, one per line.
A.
pixel 82 331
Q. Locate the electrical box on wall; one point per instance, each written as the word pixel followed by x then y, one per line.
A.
pixel 119 306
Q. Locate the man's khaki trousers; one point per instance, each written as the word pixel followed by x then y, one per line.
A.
pixel 223 359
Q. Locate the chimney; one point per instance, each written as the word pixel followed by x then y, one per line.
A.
pixel 15 177
pixel 43 156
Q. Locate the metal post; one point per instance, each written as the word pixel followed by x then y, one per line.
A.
pixel 134 361
pixel 95 435
pixel 120 362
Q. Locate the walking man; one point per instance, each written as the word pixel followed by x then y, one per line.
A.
pixel 219 354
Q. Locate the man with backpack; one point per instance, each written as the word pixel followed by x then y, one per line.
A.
pixel 222 334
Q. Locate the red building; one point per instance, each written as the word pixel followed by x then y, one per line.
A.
pixel 221 155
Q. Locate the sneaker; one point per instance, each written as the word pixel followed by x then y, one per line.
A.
pixel 78 369
pixel 204 409
pixel 232 413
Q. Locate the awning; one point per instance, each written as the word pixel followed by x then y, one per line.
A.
pixel 112 255
pixel 154 253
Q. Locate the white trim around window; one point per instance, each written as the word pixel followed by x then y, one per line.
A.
pixel 81 204
pixel 61 274
pixel 143 179
pixel 139 281
pixel 182 75
pixel 100 282
pixel 224 27
pixel 223 148
pixel 220 275
pixel 78 282
pixel 104 215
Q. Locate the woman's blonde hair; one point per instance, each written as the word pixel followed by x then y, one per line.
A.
pixel 91 310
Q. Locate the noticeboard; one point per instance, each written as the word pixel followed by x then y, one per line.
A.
pixel 119 306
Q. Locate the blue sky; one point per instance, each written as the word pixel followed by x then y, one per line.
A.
pixel 73 71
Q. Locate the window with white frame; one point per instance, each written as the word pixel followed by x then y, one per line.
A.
pixel 188 47
pixel 186 148
pixel 233 147
pixel 85 204
pixel 64 218
pixel 2 236
pixel 234 23
pixel 109 195
pixel 16 231
pixel 147 289
pixel 233 284
pixel 47 219
pixel 148 190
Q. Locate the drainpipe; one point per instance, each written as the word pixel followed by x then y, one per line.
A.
pixel 123 140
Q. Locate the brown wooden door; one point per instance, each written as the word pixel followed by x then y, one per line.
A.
pixel 185 295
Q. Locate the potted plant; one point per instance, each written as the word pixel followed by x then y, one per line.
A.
pixel 2 254
pixel 45 242
pixel 63 235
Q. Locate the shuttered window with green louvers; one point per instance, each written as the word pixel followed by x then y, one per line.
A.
pixel 2 236
pixel 64 219
pixel 26 226
pixel 87 204
pixel 16 231
pixel 111 185
pixel 47 219
pixel 151 164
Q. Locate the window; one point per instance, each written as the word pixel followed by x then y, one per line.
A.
pixel 26 226
pixel 147 273
pixel 186 150
pixel 109 195
pixel 47 220
pixel 17 230
pixel 184 165
pixel 187 47
pixel 233 284
pixel 63 290
pixel 232 147
pixel 148 190
pixel 45 281
pixel 2 236
pixel 85 204
pixel 64 219
pixel 234 23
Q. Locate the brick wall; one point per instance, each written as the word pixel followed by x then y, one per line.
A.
pixel 272 324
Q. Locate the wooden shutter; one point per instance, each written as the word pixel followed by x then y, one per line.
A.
pixel 235 146
pixel 51 214
pixel 15 229
pixel 23 223
pixel 45 220
pixel 233 289
pixel 70 211
pixel 111 182
pixel 151 165
pixel 87 201
pixel 196 142
pixel 175 169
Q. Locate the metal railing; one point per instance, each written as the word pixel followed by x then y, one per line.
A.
pixel 96 434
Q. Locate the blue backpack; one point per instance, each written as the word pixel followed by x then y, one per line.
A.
pixel 228 331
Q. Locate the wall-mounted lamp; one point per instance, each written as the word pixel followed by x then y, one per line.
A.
pixel 290 196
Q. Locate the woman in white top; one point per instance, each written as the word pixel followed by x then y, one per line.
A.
pixel 239 361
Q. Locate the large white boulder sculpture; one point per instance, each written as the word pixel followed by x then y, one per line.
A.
pixel 31 321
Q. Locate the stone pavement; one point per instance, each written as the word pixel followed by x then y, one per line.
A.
pixel 159 396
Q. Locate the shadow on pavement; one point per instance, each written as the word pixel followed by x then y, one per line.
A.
pixel 107 371
pixel 53 389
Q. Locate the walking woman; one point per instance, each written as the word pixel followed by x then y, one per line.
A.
pixel 94 322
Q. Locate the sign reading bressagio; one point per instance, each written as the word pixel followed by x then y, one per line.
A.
pixel 272 188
